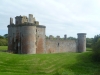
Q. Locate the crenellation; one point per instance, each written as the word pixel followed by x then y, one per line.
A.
pixel 37 22
pixel 11 21
pixel 58 37
pixel 51 37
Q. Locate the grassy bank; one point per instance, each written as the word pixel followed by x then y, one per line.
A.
pixel 3 47
pixel 48 64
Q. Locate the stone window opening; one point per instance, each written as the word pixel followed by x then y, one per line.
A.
pixel 58 44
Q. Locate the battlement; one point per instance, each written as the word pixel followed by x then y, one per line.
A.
pixel 51 37
pixel 24 20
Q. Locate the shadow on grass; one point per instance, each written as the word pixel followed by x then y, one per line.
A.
pixel 3 51
pixel 84 65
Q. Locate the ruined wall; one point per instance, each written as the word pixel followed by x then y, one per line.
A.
pixel 58 46
pixel 18 19
pixel 21 19
pixel 40 37
pixel 24 19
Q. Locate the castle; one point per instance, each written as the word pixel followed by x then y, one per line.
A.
pixel 27 36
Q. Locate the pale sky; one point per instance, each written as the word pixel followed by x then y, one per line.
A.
pixel 59 16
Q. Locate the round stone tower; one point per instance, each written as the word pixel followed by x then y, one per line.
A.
pixel 81 42
pixel 28 39
pixel 40 39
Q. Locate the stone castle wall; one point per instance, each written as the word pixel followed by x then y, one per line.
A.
pixel 26 36
pixel 58 46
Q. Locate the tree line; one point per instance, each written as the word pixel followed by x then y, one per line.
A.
pixel 4 40
pixel 96 47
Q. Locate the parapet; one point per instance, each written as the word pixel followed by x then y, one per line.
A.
pixel 81 34
pixel 40 26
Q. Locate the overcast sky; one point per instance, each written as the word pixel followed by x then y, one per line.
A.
pixel 59 16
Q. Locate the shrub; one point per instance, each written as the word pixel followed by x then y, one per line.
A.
pixel 96 48
pixel 88 45
pixel 3 42
pixel 89 42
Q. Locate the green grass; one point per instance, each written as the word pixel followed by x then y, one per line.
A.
pixel 3 47
pixel 48 64
pixel 88 49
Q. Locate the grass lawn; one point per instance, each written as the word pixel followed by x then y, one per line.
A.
pixel 88 49
pixel 3 47
pixel 47 64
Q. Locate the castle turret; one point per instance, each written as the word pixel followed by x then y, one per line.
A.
pixel 28 39
pixel 65 37
pixel 40 39
pixel 81 42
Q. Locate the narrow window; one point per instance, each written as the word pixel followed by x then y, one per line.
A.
pixel 58 44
